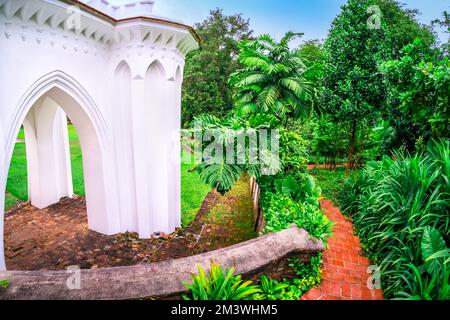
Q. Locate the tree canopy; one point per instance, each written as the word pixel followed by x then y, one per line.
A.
pixel 274 78
pixel 205 87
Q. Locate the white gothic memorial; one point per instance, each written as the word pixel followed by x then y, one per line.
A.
pixel 115 70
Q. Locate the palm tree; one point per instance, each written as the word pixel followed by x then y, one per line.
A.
pixel 274 79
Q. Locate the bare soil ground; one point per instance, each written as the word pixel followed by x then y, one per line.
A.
pixel 58 236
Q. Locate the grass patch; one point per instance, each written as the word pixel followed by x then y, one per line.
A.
pixel 233 214
pixel 77 169
pixel 193 192
pixel 17 185
pixel 10 201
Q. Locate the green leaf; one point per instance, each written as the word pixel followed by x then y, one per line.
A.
pixel 222 176
pixel 432 243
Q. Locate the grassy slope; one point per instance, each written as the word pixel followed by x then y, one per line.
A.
pixel 234 212
pixel 192 195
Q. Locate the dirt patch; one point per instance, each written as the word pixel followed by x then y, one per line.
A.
pixel 57 237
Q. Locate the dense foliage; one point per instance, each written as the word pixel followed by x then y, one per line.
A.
pixel 401 211
pixel 353 87
pixel 220 284
pixel 330 140
pixel 307 277
pixel 274 79
pixel 418 97
pixel 281 212
pixel 222 168
pixel 402 26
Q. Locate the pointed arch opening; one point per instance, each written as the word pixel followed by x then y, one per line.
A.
pixel 43 110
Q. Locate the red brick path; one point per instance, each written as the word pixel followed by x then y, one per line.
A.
pixel 345 268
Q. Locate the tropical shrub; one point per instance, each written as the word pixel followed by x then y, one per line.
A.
pixel 281 212
pixel 431 280
pixel 301 188
pixel 349 197
pixel 293 152
pixel 270 289
pixel 223 174
pixel 218 171
pixel 308 276
pixel 401 210
pixel 219 284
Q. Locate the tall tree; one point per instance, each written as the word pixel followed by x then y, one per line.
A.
pixel 403 27
pixel 353 88
pixel 205 88
pixel 418 97
pixel 274 79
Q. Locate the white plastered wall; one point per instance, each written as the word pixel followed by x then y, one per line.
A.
pixel 120 84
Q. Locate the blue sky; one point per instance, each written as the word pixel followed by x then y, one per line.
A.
pixel 313 17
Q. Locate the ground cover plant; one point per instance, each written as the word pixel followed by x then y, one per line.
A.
pixel 219 284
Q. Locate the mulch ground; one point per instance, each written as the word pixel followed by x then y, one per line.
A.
pixel 344 265
pixel 58 236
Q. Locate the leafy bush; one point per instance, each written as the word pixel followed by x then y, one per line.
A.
pixel 281 212
pixel 401 210
pixel 308 276
pixel 293 152
pixel 301 188
pixel 219 285
pixel 270 289
pixel 431 280
pixel 349 196
pixel 418 96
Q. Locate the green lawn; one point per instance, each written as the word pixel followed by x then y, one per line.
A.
pixel 17 187
pixel 193 190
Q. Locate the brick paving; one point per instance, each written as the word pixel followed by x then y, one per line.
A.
pixel 344 266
